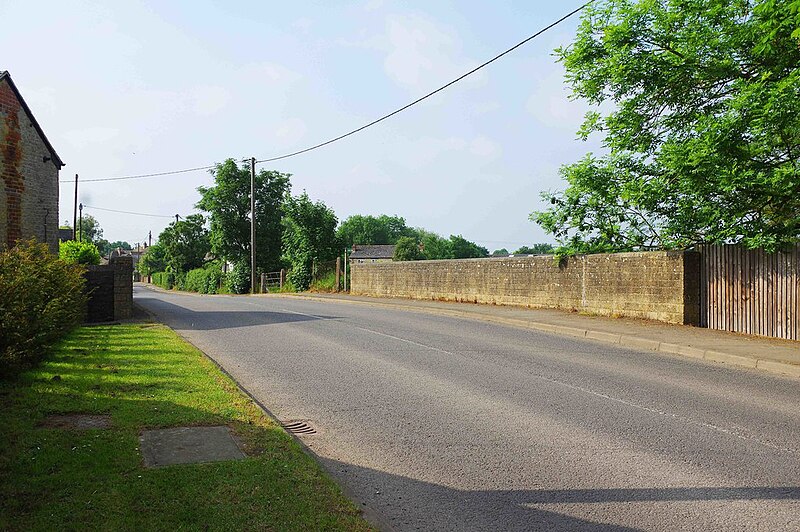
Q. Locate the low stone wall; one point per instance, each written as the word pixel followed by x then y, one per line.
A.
pixel 110 289
pixel 656 285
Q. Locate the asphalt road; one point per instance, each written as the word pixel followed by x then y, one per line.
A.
pixel 437 423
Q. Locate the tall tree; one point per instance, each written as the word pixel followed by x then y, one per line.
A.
pixel 186 243
pixel 464 249
pixel 309 236
pixel 153 260
pixel 370 230
pixel 703 137
pixel 406 248
pixel 536 249
pixel 89 229
pixel 228 205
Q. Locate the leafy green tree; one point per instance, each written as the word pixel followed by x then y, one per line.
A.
pixel 309 236
pixel 703 139
pixel 153 260
pixel 370 230
pixel 502 252
pixel 121 244
pixel 406 248
pixel 89 229
pixel 228 205
pixel 74 252
pixel 536 249
pixel 464 249
pixel 434 247
pixel 186 243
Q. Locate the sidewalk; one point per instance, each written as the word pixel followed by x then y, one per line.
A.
pixel 767 354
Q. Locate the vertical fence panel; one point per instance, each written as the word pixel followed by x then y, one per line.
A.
pixel 751 291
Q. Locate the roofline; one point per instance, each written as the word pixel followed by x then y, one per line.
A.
pixel 4 74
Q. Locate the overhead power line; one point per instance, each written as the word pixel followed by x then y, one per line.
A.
pixel 129 212
pixel 370 124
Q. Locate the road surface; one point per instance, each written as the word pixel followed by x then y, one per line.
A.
pixel 439 423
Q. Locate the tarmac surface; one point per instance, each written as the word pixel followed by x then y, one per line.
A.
pixel 441 422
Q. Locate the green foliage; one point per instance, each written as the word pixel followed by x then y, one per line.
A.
pixel 371 230
pixel 228 205
pixel 89 229
pixel 185 243
pixel 204 280
pixel 502 252
pixel 536 249
pixel 238 280
pixel 73 252
pixel 434 247
pixel 704 137
pixel 406 248
pixel 164 279
pixel 41 298
pixel 308 236
pixel 324 283
pixel 152 260
pixel 464 249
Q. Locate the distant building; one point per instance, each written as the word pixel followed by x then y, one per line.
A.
pixel 378 253
pixel 64 234
pixel 29 169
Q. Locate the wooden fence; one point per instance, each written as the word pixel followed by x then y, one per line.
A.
pixel 750 291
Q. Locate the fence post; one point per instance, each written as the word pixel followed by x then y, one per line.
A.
pixel 338 271
pixel 263 281
pixel 282 279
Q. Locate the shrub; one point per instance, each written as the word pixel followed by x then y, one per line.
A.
pixel 164 280
pixel 41 298
pixel 204 280
pixel 74 252
pixel 300 275
pixel 325 283
pixel 238 280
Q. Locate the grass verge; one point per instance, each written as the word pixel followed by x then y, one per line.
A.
pixel 145 376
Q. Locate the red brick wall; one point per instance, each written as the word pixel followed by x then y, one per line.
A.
pixel 10 159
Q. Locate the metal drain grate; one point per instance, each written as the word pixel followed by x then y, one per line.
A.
pixel 299 427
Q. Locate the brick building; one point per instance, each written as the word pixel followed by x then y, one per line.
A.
pixel 29 169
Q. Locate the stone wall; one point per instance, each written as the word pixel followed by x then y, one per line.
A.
pixel 29 184
pixel 662 286
pixel 110 290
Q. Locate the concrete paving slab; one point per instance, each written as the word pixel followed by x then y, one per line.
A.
pixel 188 445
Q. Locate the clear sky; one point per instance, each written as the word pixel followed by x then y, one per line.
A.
pixel 146 86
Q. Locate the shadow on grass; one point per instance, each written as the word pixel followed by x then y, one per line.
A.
pixel 53 478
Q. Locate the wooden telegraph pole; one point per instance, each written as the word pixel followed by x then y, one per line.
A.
pixel 252 225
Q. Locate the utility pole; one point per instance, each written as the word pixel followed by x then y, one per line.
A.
pixel 176 218
pixel 75 212
pixel 149 238
pixel 252 225
pixel 80 223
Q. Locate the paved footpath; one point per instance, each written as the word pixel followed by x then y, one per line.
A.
pixel 433 421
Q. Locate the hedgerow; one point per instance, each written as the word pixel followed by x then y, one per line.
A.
pixel 41 299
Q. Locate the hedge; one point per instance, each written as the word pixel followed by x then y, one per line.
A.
pixel 164 279
pixel 41 299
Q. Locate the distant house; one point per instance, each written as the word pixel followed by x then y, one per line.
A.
pixel 29 169
pixel 378 253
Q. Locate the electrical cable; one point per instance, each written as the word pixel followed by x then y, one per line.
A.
pixel 365 126
pixel 128 212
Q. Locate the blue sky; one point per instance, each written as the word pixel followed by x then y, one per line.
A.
pixel 137 87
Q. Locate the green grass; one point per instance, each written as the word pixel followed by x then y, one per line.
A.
pixel 145 376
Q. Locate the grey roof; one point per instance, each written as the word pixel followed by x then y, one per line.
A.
pixel 4 75
pixel 372 252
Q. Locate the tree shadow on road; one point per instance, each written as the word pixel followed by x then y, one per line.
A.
pixel 179 317
pixel 397 500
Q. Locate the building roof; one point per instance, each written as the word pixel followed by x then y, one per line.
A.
pixel 4 75
pixel 372 252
